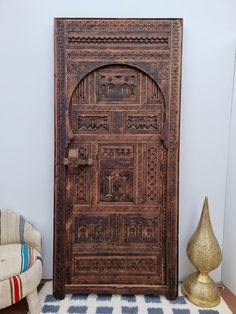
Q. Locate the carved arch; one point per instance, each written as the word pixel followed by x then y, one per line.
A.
pixel 76 74
pixel 117 85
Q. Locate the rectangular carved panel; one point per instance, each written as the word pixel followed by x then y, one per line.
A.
pixel 151 174
pixel 121 264
pixel 82 195
pixel 154 41
pixel 93 123
pixel 90 122
pixel 81 178
pixel 117 122
pixel 118 85
pixel 121 230
pixel 116 186
pixel 117 151
pixel 92 229
pixel 116 173
pixel 144 123
pixel 141 230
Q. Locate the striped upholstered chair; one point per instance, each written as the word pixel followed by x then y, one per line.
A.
pixel 20 261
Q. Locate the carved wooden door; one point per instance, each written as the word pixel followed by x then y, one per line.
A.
pixel 116 174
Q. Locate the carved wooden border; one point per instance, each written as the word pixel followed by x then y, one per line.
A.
pixel 59 169
pixel 141 61
pixel 173 161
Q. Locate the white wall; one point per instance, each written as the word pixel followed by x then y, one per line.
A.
pixel 229 251
pixel 26 126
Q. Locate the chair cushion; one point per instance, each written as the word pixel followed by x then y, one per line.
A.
pixel 15 259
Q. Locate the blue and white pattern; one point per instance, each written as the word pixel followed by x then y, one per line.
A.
pixel 122 304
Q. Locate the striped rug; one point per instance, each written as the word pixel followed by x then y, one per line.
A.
pixel 121 304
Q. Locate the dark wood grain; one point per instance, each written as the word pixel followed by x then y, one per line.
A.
pixel 117 102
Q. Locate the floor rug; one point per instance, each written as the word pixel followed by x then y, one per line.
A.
pixel 121 304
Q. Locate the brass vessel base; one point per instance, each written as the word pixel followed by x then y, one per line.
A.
pixel 201 290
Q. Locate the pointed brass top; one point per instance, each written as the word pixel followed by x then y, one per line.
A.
pixel 205 216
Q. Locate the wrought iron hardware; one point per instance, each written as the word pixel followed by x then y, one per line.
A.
pixel 73 161
pixel 78 161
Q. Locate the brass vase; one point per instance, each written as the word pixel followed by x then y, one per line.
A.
pixel 204 253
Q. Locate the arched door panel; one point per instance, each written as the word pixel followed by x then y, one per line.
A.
pixel 116 115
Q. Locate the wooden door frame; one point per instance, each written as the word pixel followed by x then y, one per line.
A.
pixel 170 139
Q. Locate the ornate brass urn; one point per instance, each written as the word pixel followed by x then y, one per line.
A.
pixel 204 253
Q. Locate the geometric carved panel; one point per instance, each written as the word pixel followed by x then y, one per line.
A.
pixel 156 41
pixel 116 186
pixel 141 230
pixel 151 173
pixel 91 229
pixel 108 265
pixel 93 123
pixel 116 172
pixel 118 85
pixel 117 151
pixel 141 123
pixel 81 177
pixel 82 195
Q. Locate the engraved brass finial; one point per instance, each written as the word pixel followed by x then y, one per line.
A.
pixel 204 253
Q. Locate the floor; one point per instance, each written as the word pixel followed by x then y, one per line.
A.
pixel 229 298
pixel 22 308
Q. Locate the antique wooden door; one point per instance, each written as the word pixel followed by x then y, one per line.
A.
pixel 116 165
